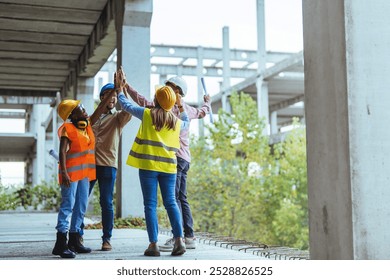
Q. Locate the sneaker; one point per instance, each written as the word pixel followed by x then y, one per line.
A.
pixel 168 245
pixel 190 242
pixel 106 246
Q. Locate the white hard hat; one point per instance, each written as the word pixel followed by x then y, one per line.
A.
pixel 179 82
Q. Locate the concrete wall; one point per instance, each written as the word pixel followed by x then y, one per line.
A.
pixel 346 94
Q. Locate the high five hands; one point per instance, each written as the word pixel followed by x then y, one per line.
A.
pixel 120 79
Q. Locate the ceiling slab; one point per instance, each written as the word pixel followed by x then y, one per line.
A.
pixel 43 43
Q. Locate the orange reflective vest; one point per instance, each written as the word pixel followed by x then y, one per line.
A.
pixel 155 150
pixel 80 158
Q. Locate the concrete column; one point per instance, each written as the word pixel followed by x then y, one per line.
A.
pixel 85 87
pixel 346 99
pixel 111 70
pixel 262 87
pixel 134 54
pixel 28 171
pixel 262 102
pixel 226 69
pixel 261 52
pixel 274 122
pixel 39 114
pixel 28 167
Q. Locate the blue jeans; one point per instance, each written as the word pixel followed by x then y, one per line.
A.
pixel 105 176
pixel 181 196
pixel 74 202
pixel 149 180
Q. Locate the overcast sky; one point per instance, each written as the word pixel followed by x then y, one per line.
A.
pixel 200 22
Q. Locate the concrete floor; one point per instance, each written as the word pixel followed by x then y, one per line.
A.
pixel 31 236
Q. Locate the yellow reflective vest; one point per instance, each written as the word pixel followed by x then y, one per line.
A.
pixel 155 150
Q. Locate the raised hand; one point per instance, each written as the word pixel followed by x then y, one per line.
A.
pixel 123 76
pixel 120 79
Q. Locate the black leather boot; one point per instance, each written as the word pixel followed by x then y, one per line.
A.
pixel 75 244
pixel 61 247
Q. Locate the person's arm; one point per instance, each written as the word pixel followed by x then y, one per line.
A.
pixel 137 98
pixel 120 84
pixel 123 117
pixel 128 97
pixel 194 113
pixel 64 142
pixel 127 106
pixel 101 107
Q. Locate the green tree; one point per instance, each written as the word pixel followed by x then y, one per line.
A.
pixel 290 224
pixel 242 187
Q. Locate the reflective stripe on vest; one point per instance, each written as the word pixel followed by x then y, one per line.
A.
pixel 155 143
pixel 151 157
pixel 80 167
pixel 75 155
pixel 80 159
pixel 155 150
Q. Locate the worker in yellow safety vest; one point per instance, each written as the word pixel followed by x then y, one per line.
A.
pixel 154 154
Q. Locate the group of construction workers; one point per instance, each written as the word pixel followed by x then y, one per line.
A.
pixel 88 154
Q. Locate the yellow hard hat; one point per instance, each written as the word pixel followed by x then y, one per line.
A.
pixel 166 97
pixel 66 107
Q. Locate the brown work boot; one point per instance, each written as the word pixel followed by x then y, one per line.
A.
pixel 179 248
pixel 106 246
pixel 152 250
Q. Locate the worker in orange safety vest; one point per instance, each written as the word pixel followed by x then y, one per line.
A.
pixel 76 170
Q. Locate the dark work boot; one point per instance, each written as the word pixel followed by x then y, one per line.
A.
pixel 75 243
pixel 179 248
pixel 152 250
pixel 61 247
